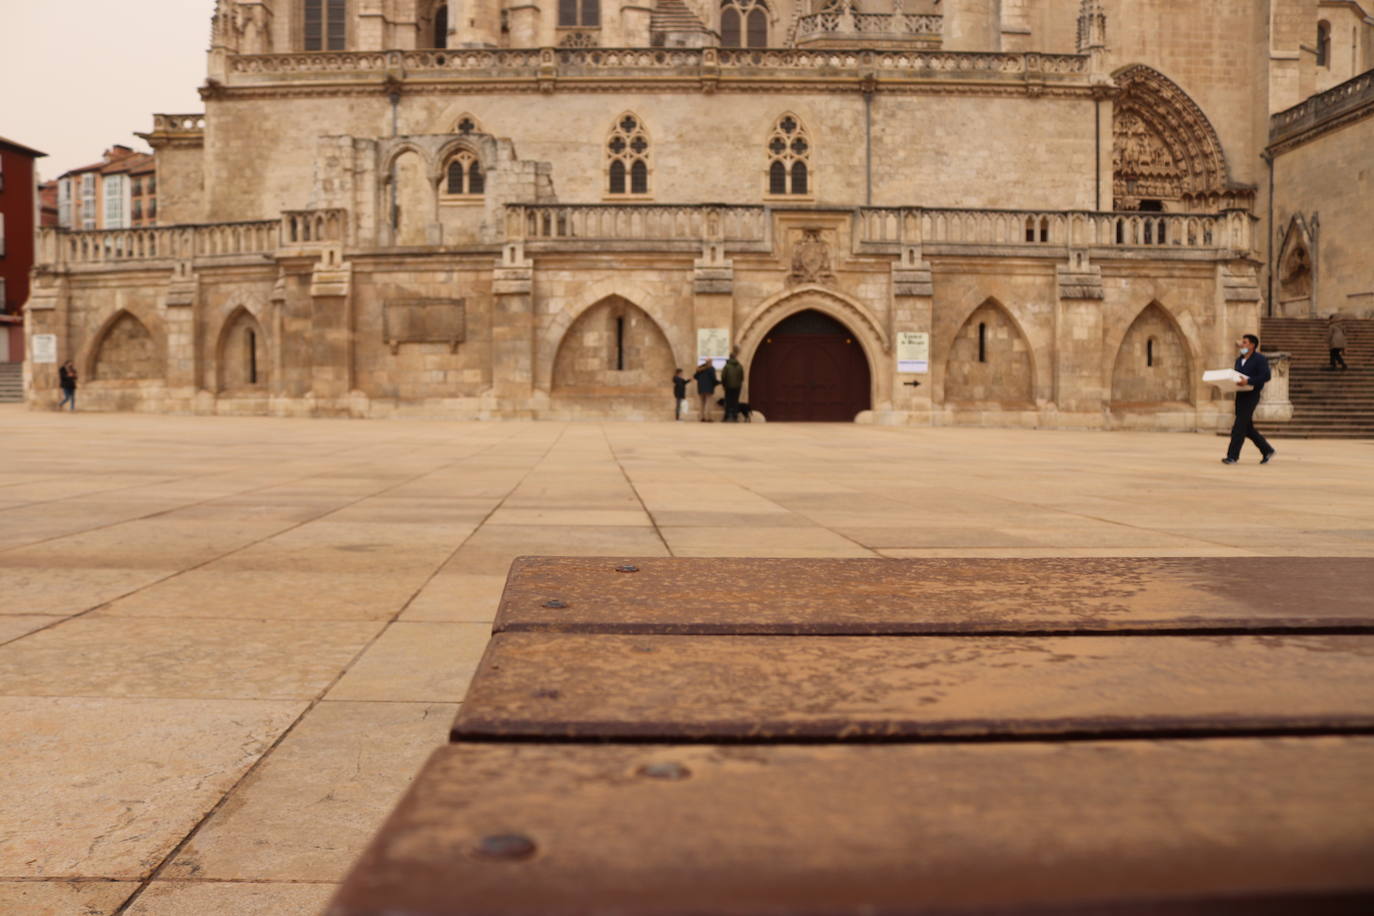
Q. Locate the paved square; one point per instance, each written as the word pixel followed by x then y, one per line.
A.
pixel 227 644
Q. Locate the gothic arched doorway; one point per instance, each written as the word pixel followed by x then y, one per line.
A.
pixel 810 367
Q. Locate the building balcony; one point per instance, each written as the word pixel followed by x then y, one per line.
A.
pixel 684 229
pixel 848 29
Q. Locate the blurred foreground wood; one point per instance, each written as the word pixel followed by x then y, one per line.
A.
pixel 1127 741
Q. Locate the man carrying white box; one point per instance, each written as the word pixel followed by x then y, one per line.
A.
pixel 1251 373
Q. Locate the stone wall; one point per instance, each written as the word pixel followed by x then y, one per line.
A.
pixel 1324 203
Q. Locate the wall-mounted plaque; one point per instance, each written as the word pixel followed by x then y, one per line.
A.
pixel 913 351
pixel 713 344
pixel 424 321
pixel 43 348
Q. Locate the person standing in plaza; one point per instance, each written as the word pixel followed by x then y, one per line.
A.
pixel 706 385
pixel 1255 367
pixel 66 378
pixel 679 392
pixel 1335 340
pixel 732 380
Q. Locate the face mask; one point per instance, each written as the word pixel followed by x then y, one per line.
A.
pixel 1244 351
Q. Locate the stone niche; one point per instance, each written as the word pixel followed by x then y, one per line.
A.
pixel 424 321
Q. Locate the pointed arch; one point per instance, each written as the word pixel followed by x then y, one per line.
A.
pixel 614 347
pixel 1296 268
pixel 1163 146
pixel 680 337
pixel 989 359
pixel 124 349
pixel 1154 362
pixel 241 353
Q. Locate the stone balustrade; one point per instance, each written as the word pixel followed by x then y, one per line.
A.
pixel 544 64
pixel 877 229
pixel 635 223
pixel 848 25
pixel 296 229
pixel 1324 108
pixel 311 227
pixel 178 123
pixel 113 246
pixel 893 226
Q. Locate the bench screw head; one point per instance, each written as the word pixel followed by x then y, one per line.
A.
pixel 627 568
pixel 669 771
pixel 546 693
pixel 554 602
pixel 508 846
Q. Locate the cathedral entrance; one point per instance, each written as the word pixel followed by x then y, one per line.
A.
pixel 810 367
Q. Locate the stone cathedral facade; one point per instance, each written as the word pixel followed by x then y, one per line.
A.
pixel 1004 212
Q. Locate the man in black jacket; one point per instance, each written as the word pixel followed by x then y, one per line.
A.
pixel 1251 364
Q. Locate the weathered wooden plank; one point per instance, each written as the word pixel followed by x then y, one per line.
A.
pixel 1217 826
pixel 872 596
pixel 722 688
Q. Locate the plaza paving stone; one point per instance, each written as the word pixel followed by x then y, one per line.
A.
pixel 227 644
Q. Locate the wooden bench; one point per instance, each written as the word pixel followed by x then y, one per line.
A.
pixel 694 736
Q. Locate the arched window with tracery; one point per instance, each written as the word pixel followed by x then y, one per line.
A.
pixel 744 23
pixel 325 25
pixel 441 26
pixel 463 176
pixel 627 157
pixel 789 158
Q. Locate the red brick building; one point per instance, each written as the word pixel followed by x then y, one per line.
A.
pixel 18 215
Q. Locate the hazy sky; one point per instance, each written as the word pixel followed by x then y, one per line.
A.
pixel 79 76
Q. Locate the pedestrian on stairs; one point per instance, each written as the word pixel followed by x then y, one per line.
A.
pixel 1335 340
pixel 66 377
pixel 1255 367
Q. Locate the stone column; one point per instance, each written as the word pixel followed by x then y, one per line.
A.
pixel 1079 364
pixel 713 302
pixel 1274 403
pixel 184 359
pixel 331 333
pixel 512 336
pixel 46 313
pixel 913 309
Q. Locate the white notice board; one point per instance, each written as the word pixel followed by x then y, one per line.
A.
pixel 43 348
pixel 913 351
pixel 713 344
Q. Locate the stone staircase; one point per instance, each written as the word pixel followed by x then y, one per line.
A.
pixel 1326 405
pixel 11 383
pixel 673 18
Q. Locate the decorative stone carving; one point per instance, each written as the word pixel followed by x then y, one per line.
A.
pixel 424 321
pixel 811 262
pixel 1164 148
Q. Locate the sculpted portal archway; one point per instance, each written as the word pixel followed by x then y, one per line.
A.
pixel 1165 152
pixel 867 333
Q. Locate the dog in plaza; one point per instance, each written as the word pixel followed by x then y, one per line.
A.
pixel 744 411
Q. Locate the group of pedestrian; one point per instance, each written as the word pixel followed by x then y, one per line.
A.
pixel 731 379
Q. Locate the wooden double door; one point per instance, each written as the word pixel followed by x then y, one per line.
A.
pixel 810 367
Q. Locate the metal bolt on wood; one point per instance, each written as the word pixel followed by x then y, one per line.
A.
pixel 509 846
pixel 667 771
pixel 627 568
pixel 555 603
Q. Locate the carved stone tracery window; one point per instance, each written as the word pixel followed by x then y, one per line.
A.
pixel 1165 153
pixel 463 176
pixel 627 157
pixel 789 158
pixel 744 23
